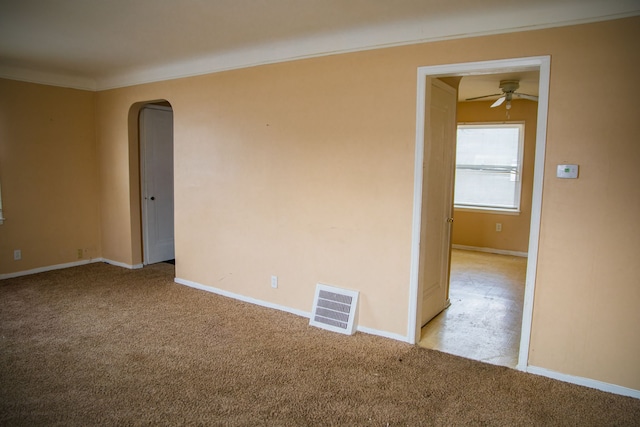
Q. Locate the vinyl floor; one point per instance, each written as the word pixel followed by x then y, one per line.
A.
pixel 484 319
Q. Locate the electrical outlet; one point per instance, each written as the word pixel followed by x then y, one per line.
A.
pixel 274 282
pixel 80 254
pixel 17 255
pixel 498 226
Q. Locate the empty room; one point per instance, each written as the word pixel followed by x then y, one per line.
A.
pixel 179 181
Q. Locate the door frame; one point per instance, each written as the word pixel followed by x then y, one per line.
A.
pixel 543 63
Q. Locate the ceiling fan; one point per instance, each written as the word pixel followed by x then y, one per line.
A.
pixel 508 88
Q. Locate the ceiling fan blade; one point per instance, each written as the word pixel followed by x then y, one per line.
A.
pixel 483 96
pixel 498 102
pixel 525 96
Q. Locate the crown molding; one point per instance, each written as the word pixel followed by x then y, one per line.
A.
pixel 46 78
pixel 362 39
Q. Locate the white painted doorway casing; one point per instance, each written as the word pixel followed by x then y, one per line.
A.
pixel 542 63
pixel 437 187
pixel 156 171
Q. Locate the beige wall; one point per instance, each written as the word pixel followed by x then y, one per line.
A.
pixel 299 170
pixel 478 229
pixel 588 289
pixel 272 178
pixel 48 170
pixel 305 170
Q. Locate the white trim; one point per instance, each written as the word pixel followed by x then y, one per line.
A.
pixel 49 268
pixel 390 35
pixel 395 34
pixel 489 211
pixel 369 38
pixel 262 303
pixel 399 33
pixel 413 334
pixel 68 265
pixel 536 211
pixel 384 334
pixel 2 218
pixel 46 78
pixel 490 250
pixel 543 63
pixel 122 264
pixel 586 382
pixel 244 298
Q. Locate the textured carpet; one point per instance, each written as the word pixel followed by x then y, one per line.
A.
pixel 101 345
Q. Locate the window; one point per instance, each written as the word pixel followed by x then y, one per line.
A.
pixel 489 166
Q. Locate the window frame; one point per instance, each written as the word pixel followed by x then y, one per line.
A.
pixel 519 170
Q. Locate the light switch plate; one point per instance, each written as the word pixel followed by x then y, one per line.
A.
pixel 567 171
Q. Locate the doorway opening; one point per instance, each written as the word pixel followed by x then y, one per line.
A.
pixel 423 200
pixel 155 123
pixel 494 165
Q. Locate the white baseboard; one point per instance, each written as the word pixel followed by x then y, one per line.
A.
pixel 586 382
pixel 68 265
pixel 383 334
pixel 244 298
pixel 490 250
pixel 49 268
pixel 301 313
pixel 122 264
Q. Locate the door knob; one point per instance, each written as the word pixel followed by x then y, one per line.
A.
pixel 449 220
pixel 153 198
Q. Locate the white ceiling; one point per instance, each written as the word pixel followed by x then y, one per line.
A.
pixel 99 44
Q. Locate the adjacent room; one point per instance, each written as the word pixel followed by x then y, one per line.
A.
pixel 493 187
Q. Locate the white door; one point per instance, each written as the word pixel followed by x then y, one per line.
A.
pixel 156 154
pixel 437 207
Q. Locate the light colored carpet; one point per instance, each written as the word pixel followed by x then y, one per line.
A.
pixel 101 345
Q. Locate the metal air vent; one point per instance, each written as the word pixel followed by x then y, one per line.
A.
pixel 335 309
